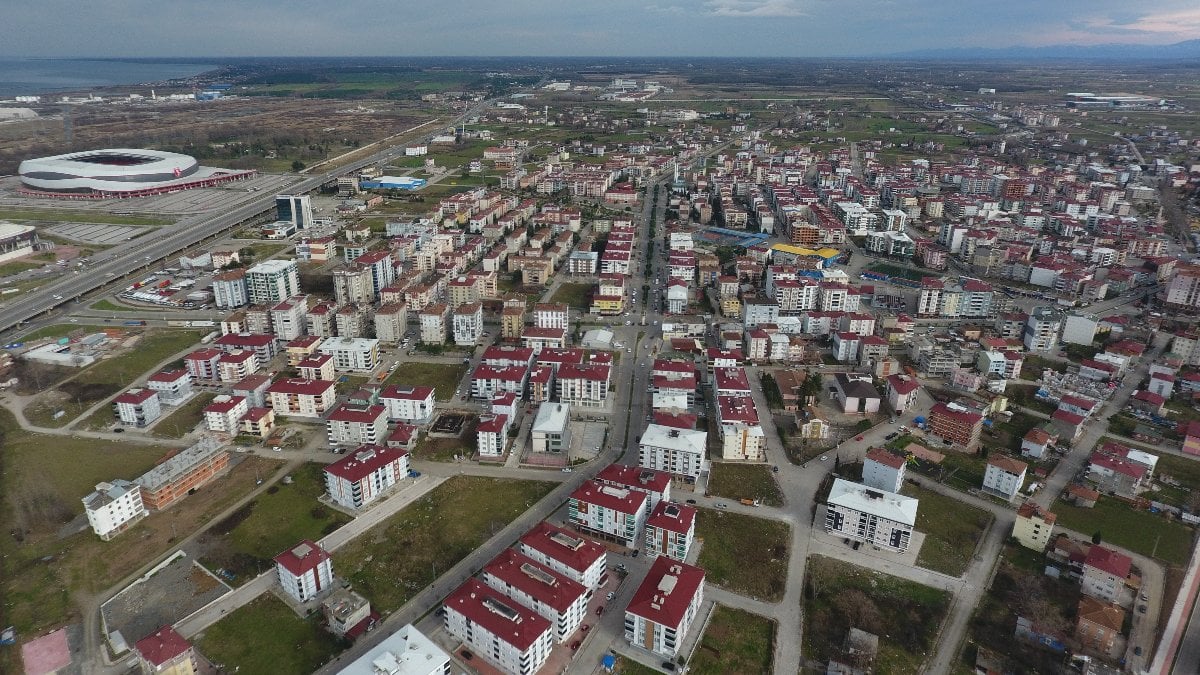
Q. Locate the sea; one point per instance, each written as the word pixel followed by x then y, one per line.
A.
pixel 38 77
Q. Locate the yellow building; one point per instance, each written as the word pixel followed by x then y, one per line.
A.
pixel 512 323
pixel 731 307
pixel 608 305
pixel 1033 527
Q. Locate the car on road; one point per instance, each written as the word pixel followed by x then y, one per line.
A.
pixel 774 469
pixel 668 665
pixel 636 552
pixel 119 430
pixel 858 438
pixel 721 505
pixel 890 436
pixel 575 645
pixel 824 458
pixel 567 469
pixel 611 596
pixel 414 474
pixel 600 610
pixel 892 421
pixel 58 297
pixel 691 501
pixel 1141 609
pixel 585 628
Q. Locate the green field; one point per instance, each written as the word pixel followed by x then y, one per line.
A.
pixel 399 557
pixel 904 614
pixel 1142 532
pixel 952 530
pixel 245 542
pixel 57 330
pixel 107 377
pixel 443 377
pixel 266 637
pixel 745 481
pixel 79 217
pixel 110 306
pixel 18 266
pixel 1185 471
pixel 576 296
pixel 735 641
pixel 183 420
pixel 734 543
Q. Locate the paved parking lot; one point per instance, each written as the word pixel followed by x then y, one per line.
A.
pixel 93 233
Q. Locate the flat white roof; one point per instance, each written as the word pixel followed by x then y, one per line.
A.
pixel 551 417
pixel 682 440
pixel 405 652
pixel 876 502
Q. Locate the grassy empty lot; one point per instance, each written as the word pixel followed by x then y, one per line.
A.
pixel 734 543
pixel 18 266
pixel 735 641
pixel 55 331
pixel 952 529
pixel 406 553
pixel 904 614
pixel 79 217
pixel 184 418
pixel 1140 531
pixel 242 642
pixel 245 542
pixel 443 377
pixel 577 296
pixel 1185 471
pixel 107 377
pixel 745 481
pixel 110 306
pixel 44 477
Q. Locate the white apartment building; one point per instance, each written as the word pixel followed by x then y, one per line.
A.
pixel 883 470
pixel 288 318
pixel 608 512
pixel 670 530
pixel 1004 476
pixel 664 607
pixel 551 431
pixel 350 424
pixel 229 289
pixel 173 386
pixel 876 517
pixel 508 636
pixel 137 407
pixel 468 325
pixel 305 571
pixel 224 413
pixel 1041 329
pixel 414 405
pixel 365 474
pixel 682 452
pixel 584 385
pixel 272 281
pixel 555 597
pixel 656 484
pixel 391 322
pixel 114 507
pixel 405 652
pixel 352 354
pixel 562 551
pixel 551 315
pixel 491 435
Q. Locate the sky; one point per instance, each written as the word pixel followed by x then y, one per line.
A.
pixel 762 28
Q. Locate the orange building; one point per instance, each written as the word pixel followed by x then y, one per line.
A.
pixel 190 469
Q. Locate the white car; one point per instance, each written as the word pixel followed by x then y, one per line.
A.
pixel 567 469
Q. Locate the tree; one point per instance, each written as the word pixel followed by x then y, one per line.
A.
pixel 1096 538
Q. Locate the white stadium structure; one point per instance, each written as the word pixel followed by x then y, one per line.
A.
pixel 118 172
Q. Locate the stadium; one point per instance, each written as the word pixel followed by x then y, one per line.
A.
pixel 119 172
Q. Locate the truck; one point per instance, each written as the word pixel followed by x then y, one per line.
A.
pixel 750 502
pixel 209 338
pixel 202 324
pixel 135 323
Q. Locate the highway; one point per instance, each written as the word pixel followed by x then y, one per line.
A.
pixel 169 240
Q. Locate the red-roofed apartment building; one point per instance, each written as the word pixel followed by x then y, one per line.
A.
pixel 350 424
pixel 305 570
pixel 505 634
pixel 362 476
pixel 956 424
pixel 670 530
pixel 166 652
pixel 138 407
pixel 408 404
pixel 556 598
pixel 300 398
pixel 656 484
pixel 609 512
pixel 1104 575
pixel 901 392
pixel 564 552
pixel 664 607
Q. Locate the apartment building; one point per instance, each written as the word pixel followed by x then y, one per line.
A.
pixel 317 367
pixel 491 435
pixel 608 512
pixel 876 517
pixel 352 354
pixel 468 324
pixel 670 530
pixel 957 424
pixel 305 571
pixel 562 551
pixel 115 506
pixel 166 652
pixel 681 452
pixel 434 324
pixel 1004 476
pixel 296 397
pixel 1104 574
pixel 272 281
pixel 1034 526
pixel 137 407
pixel 884 470
pixel 656 484
pixel 391 322
pixel 551 431
pixel 353 424
pixel 187 470
pixel 584 385
pixel 404 403
pixel 365 474
pixel 510 637
pixel 224 413
pixel 555 597
pixel 1041 329
pixel 664 607
pixel 173 386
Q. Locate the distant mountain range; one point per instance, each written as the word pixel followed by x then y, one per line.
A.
pixel 1188 49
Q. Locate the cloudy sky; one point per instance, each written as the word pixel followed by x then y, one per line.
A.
pixel 107 28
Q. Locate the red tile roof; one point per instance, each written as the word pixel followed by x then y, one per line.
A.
pixel 636 477
pixel 162 646
pixel 666 592
pixel 550 540
pixel 484 606
pixel 364 461
pixel 1110 561
pixel 302 558
pixel 538 581
pixel 675 420
pixel 169 376
pixel 406 393
pixel 346 412
pixel 672 517
pixel 295 385
pixel 883 456
pixel 613 498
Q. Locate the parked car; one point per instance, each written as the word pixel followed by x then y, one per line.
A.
pixel 668 665
pixel 575 645
pixel 599 610
pixel 611 596
pixel 691 501
pixel 636 552
pixel 567 469
pixel 774 469
pixel 467 655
